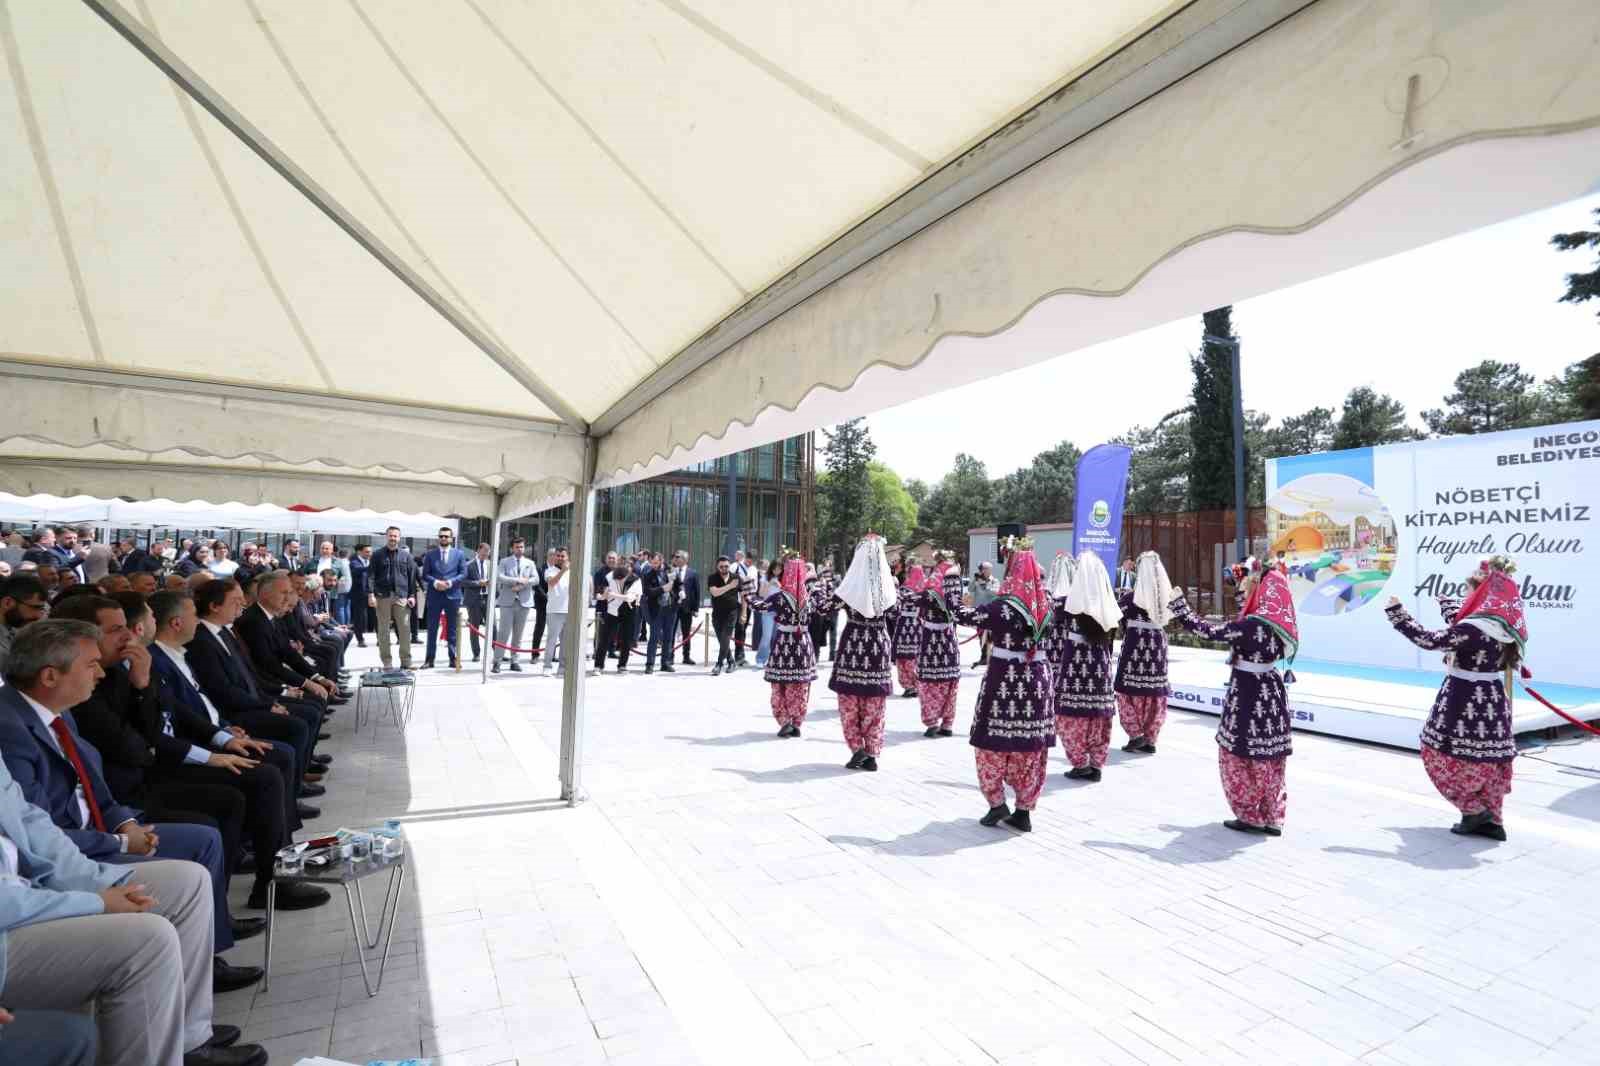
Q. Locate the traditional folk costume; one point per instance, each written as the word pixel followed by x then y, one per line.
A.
pixel 1084 700
pixel 1253 738
pixel 1141 681
pixel 861 661
pixel 908 629
pixel 1012 729
pixel 1468 744
pixel 939 656
pixel 792 662
pixel 1058 584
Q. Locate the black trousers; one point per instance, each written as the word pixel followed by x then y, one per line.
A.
pixel 538 632
pixel 614 628
pixel 475 616
pixel 196 804
pixel 685 627
pixel 288 728
pixel 723 625
pixel 267 807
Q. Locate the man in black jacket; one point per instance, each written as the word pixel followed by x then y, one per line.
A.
pixel 273 659
pixel 177 766
pixel 660 612
pixel 391 592
pixel 686 599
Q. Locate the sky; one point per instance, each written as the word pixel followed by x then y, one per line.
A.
pixel 1404 325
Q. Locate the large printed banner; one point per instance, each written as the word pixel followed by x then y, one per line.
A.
pixel 1411 520
pixel 1102 488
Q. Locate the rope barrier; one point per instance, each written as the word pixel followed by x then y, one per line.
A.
pixel 1575 721
pixel 539 651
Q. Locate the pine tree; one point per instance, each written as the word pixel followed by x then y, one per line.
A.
pixel 845 496
pixel 1211 419
pixel 1370 419
pixel 1586 286
pixel 1575 392
pixel 1488 397
pixel 960 502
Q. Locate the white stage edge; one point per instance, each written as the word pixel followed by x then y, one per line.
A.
pixel 1381 712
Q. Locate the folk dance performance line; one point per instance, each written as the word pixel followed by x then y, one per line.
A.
pixel 908 629
pixel 939 655
pixel 1253 738
pixel 860 675
pixel 1141 681
pixel 792 662
pixel 1468 744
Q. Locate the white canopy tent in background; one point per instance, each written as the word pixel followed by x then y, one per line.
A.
pixel 503 253
pixel 199 514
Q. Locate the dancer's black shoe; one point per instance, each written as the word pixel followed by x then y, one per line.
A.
pixel 1238 825
pixel 995 815
pixel 931 731
pixel 870 763
pixel 1021 821
pixel 947 732
pixel 856 760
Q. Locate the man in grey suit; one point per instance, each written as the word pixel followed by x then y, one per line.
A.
pixel 513 600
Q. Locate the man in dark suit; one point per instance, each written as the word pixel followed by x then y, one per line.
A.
pixel 54 667
pixel 444 569
pixel 476 593
pixel 1126 575
pixel 599 586
pixel 272 657
pixel 541 606
pixel 661 612
pixel 685 598
pixel 220 666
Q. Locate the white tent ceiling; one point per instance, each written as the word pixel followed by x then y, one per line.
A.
pixel 667 222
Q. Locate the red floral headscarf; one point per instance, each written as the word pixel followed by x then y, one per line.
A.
pixel 916 580
pixel 1025 583
pixel 1272 601
pixel 1496 604
pixel 793 580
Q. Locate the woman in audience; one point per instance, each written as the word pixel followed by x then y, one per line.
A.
pixel 1085 703
pixel 221 565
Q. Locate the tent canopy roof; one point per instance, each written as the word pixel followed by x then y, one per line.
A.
pixel 44 509
pixel 430 251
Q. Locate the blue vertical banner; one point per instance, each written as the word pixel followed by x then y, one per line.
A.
pixel 1102 490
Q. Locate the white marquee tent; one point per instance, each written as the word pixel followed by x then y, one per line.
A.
pixel 44 509
pixel 485 255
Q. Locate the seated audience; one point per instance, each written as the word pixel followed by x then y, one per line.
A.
pixel 273 657
pixel 22 600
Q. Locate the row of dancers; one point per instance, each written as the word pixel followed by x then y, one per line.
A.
pixel 1054 674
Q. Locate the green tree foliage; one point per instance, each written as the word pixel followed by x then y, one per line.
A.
pixel 1042 491
pixel 961 501
pixel 1211 419
pixel 1370 418
pixel 1586 286
pixel 1575 392
pixel 1488 397
pixel 1158 474
pixel 918 490
pixel 844 497
pixel 892 513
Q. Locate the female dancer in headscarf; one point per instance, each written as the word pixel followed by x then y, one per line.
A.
pixel 939 656
pixel 1084 701
pixel 861 659
pixel 1141 681
pixel 1467 743
pixel 1058 585
pixel 1012 728
pixel 1253 738
pixel 908 629
pixel 792 662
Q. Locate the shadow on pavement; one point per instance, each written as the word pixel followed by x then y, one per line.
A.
pixel 1209 842
pixel 1429 847
pixel 935 838
pixel 803 772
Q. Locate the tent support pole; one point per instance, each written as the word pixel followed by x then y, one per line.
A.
pixel 581 561
pixel 488 604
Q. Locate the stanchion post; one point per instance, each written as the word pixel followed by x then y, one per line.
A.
pixel 572 694
pixel 487 640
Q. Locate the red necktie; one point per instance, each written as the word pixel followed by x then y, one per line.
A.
pixel 69 748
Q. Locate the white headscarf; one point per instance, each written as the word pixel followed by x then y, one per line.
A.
pixel 1152 589
pixel 1091 592
pixel 1061 571
pixel 868 586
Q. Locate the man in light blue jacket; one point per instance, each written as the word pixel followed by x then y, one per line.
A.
pixel 136 942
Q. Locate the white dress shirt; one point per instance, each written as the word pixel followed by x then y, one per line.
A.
pixel 46 717
pixel 197 755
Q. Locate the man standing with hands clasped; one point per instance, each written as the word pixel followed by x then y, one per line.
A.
pixel 513 599
pixel 444 570
pixel 390 576
pixel 686 599
pixel 477 595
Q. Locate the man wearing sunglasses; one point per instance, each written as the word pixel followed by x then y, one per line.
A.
pixel 444 570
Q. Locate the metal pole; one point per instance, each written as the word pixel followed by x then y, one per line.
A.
pixel 1241 531
pixel 488 604
pixel 733 504
pixel 578 606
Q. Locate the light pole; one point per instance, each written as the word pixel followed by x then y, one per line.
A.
pixel 1241 533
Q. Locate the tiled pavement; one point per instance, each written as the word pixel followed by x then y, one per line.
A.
pixel 726 897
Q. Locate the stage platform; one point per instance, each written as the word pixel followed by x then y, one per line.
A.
pixel 1381 705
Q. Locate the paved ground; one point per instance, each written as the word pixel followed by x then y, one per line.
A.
pixel 725 897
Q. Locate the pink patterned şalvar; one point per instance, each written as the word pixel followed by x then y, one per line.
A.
pixel 938 703
pixel 1142 716
pixel 789 701
pixel 1022 770
pixel 1254 787
pixel 1473 785
pixel 1086 741
pixel 862 720
pixel 907 669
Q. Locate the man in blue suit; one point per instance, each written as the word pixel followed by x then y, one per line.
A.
pixel 444 570
pixel 60 773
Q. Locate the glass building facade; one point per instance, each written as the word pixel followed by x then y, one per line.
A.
pixel 768 493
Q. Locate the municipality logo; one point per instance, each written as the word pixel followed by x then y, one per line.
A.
pixel 1100 514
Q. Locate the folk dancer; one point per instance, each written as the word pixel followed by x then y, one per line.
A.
pixel 860 675
pixel 1084 700
pixel 1468 745
pixel 1141 681
pixel 939 656
pixel 1059 584
pixel 792 664
pixel 908 629
pixel 1253 738
pixel 1012 727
